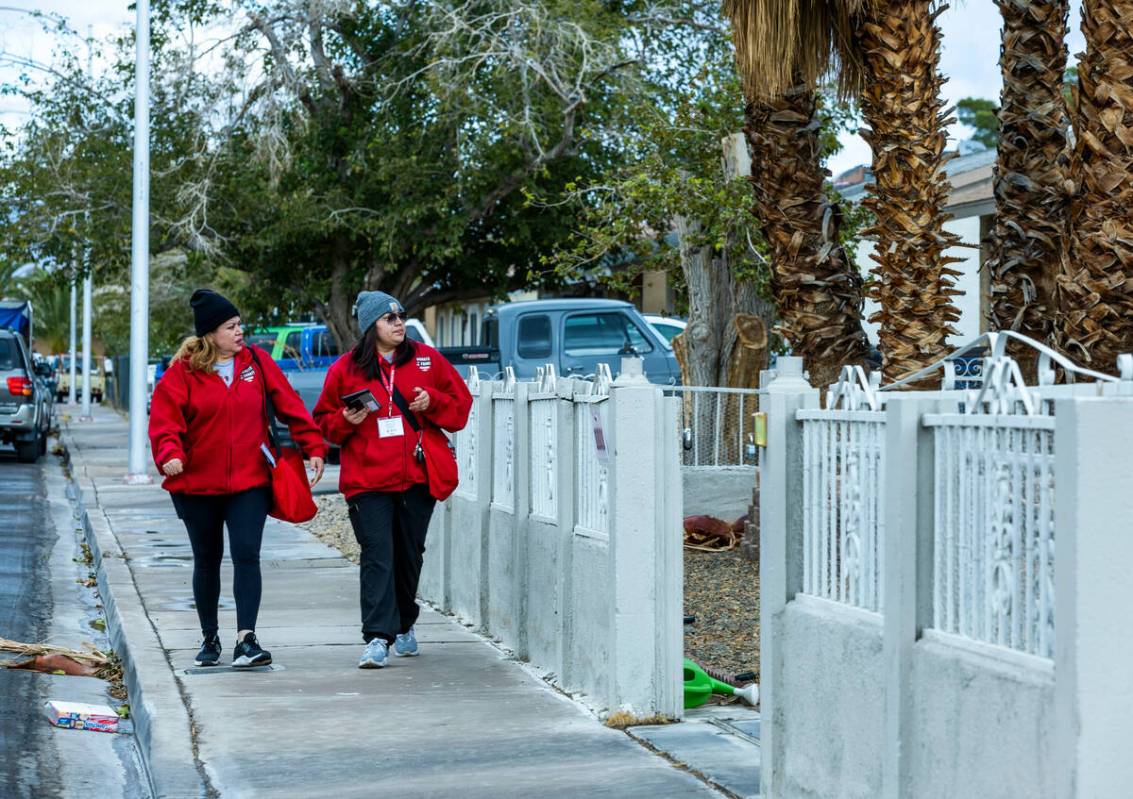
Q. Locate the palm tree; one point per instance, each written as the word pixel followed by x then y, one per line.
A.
pixel 885 52
pixel 817 289
pixel 1095 285
pixel 1030 222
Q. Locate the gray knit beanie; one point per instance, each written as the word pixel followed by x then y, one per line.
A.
pixel 372 306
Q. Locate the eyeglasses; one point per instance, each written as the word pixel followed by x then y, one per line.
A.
pixel 390 318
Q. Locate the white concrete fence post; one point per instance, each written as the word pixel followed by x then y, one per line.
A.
pixel 908 562
pixel 780 544
pixel 646 625
pixel 1093 650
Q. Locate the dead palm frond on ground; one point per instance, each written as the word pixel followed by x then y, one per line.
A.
pixel 1095 285
pixel 1030 221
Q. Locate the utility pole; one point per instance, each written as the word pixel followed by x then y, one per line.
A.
pixel 85 414
pixel 74 353
pixel 139 260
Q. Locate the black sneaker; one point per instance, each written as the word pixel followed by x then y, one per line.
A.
pixel 210 651
pixel 248 653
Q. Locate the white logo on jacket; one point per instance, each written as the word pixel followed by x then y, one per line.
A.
pixel 248 375
pixel 424 363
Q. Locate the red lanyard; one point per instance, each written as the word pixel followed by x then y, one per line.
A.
pixel 389 388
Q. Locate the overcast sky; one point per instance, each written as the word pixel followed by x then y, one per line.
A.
pixel 969 59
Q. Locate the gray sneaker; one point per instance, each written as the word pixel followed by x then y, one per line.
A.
pixel 375 656
pixel 405 645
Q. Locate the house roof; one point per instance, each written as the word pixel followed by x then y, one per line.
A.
pixel 971 179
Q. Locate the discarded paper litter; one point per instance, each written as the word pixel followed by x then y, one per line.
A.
pixel 81 716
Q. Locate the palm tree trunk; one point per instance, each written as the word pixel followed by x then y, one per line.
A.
pixel 817 289
pixel 1030 222
pixel 1095 285
pixel 900 47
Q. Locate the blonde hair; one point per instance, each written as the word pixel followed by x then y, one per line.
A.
pixel 199 352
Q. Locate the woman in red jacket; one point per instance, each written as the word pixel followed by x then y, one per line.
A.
pixel 207 432
pixel 396 462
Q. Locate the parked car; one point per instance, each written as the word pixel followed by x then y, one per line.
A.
pixel 576 335
pixel 63 378
pixel 306 347
pixel 668 326
pixel 26 407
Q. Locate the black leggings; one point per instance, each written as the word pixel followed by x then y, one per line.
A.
pixel 205 517
pixel 390 527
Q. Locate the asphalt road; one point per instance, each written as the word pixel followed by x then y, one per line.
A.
pixel 41 601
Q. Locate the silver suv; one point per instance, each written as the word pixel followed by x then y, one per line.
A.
pixel 25 400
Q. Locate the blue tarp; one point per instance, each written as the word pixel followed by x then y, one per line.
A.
pixel 15 315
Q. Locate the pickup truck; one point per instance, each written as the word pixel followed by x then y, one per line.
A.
pixel 306 347
pixel 573 334
pixel 63 378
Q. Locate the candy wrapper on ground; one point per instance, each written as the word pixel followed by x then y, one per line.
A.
pixel 81 716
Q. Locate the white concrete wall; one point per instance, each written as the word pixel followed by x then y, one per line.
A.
pixel 723 493
pixel 981 722
pixel 599 609
pixel 857 704
pixel 834 688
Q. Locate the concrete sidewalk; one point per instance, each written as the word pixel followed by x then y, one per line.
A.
pixel 461 720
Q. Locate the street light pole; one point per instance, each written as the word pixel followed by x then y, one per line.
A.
pixel 71 366
pixel 84 414
pixel 139 260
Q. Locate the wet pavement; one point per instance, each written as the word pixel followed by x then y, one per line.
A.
pixel 42 600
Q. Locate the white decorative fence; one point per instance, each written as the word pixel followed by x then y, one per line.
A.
pixel 563 541
pixel 993 566
pixel 844 497
pixel 945 583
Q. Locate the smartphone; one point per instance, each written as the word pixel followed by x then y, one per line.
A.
pixel 360 400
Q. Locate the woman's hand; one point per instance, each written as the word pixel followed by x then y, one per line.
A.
pixel 173 467
pixel 355 417
pixel 420 402
pixel 315 464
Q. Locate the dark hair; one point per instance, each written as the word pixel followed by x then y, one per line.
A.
pixel 365 353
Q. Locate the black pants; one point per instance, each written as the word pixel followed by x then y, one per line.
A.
pixel 205 517
pixel 390 528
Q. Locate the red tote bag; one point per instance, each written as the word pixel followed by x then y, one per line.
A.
pixel 291 498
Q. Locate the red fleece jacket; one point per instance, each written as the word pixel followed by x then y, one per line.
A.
pixel 372 463
pixel 216 430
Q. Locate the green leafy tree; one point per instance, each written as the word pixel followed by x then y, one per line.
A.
pixel 983 117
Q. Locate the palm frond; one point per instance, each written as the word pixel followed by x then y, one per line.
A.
pixel 782 42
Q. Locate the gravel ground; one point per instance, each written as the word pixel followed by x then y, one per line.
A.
pixel 721 590
pixel 331 525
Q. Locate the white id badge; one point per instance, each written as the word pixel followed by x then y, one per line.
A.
pixel 390 426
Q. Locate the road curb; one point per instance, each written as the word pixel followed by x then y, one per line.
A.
pixel 162 724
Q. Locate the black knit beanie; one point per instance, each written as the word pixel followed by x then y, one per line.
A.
pixel 210 310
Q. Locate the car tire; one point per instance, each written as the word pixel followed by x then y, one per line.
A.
pixel 43 444
pixel 28 451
